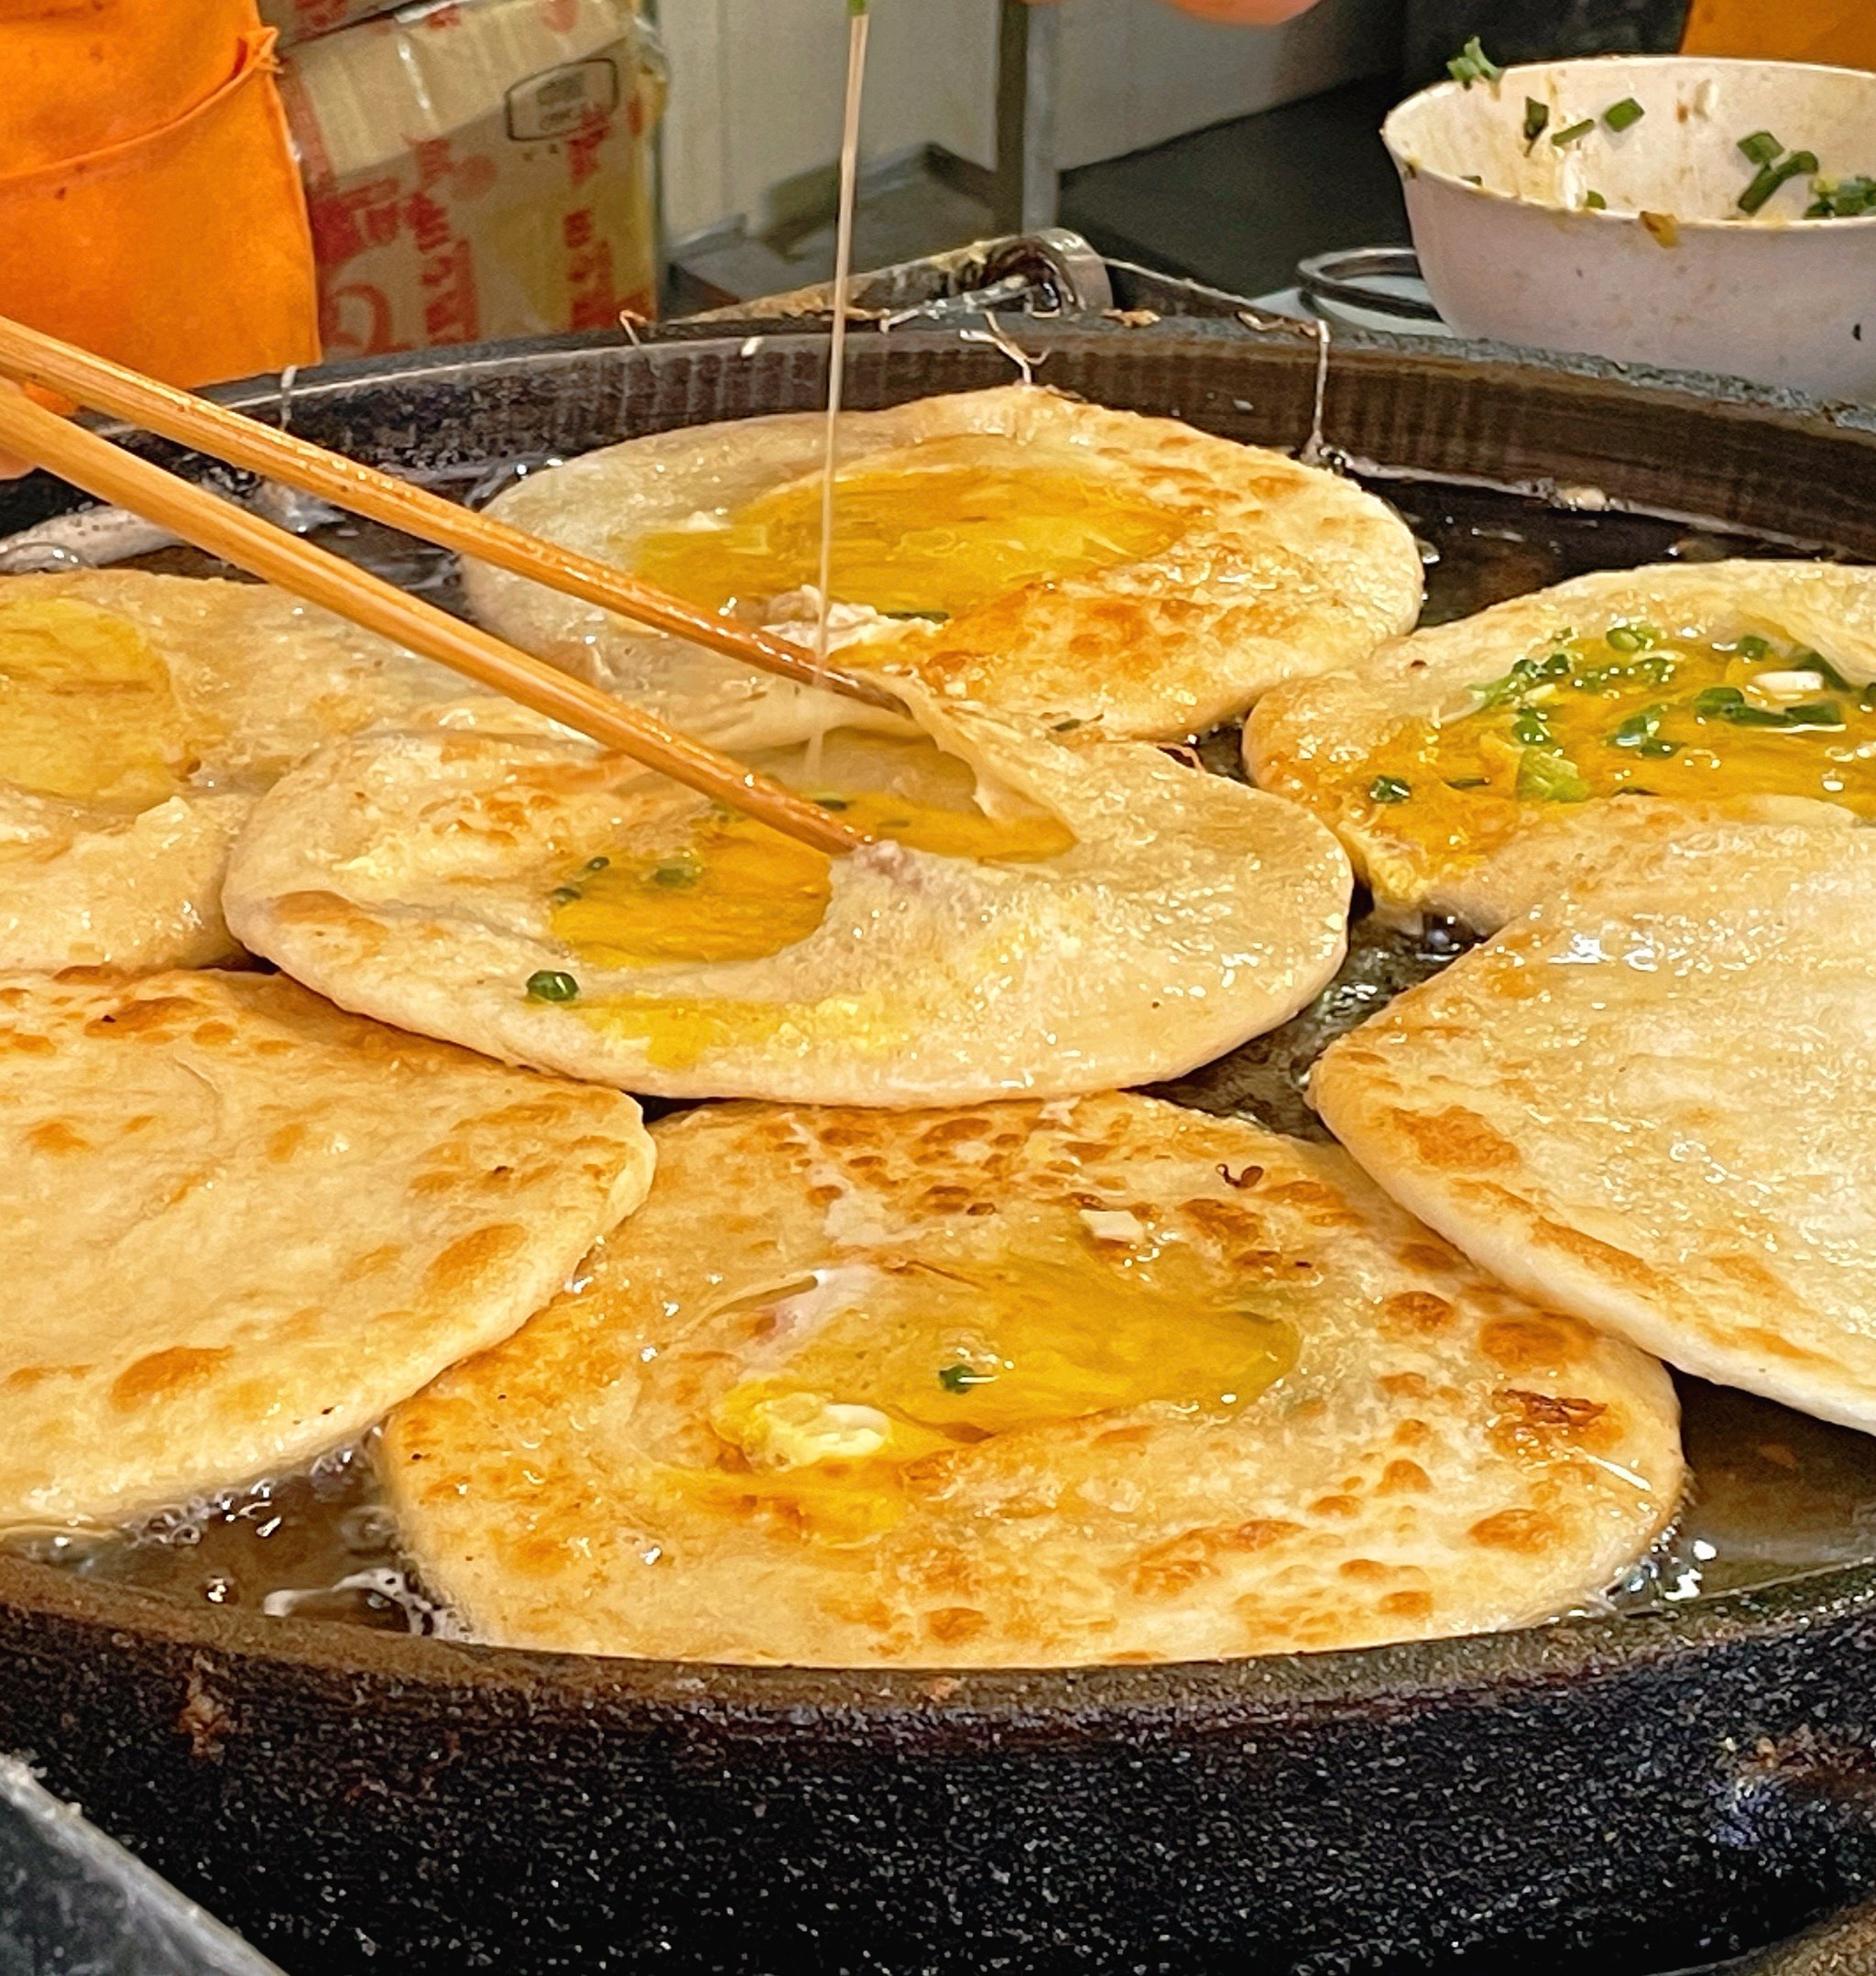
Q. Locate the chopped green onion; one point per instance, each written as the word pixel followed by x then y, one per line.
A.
pixel 1596 201
pixel 1472 64
pixel 672 873
pixel 565 895
pixel 1509 685
pixel 551 985
pixel 1753 646
pixel 1572 131
pixel 1762 146
pixel 1809 662
pixel 832 802
pixel 1467 781
pixel 1536 119
pixel 598 864
pixel 962 1378
pixel 1717 699
pixel 1633 636
pixel 1546 777
pixel 1654 745
pixel 1068 726
pixel 1554 667
pixel 1815 714
pixel 1767 180
pixel 1841 199
pixel 1638 728
pixel 1389 788
pixel 1752 717
pixel 1530 729
pixel 1621 116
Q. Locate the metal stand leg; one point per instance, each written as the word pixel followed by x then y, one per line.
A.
pixel 1027 75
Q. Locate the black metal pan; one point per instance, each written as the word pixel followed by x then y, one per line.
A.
pixel 1616 1794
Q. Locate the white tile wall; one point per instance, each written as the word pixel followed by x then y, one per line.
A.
pixel 756 84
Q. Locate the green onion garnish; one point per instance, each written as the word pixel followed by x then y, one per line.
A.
pixel 1815 714
pixel 1767 180
pixel 1389 788
pixel 1841 199
pixel 598 864
pixel 1811 661
pixel 1596 201
pixel 565 895
pixel 1753 646
pixel 1572 131
pixel 1554 667
pixel 832 802
pixel 962 1378
pixel 1530 729
pixel 1472 64
pixel 551 985
pixel 1762 146
pixel 1633 638
pixel 1619 115
pixel 1712 700
pixel 1638 728
pixel 1547 777
pixel 1536 119
pixel 1467 781
pixel 673 873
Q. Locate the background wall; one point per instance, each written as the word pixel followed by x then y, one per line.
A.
pixel 755 83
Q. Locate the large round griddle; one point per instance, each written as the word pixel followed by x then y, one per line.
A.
pixel 1615 1795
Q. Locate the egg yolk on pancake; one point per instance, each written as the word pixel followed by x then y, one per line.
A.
pixel 1634 711
pixel 726 888
pixel 87 708
pixel 930 1356
pixel 934 530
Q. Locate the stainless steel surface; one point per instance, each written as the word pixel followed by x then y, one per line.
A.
pixel 1027 194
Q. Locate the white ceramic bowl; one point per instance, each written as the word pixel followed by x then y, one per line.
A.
pixel 1671 273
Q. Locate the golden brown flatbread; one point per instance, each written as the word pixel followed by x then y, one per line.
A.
pixel 140 717
pixel 1131 577
pixel 1026 1384
pixel 1033 918
pixel 1473 768
pixel 241 1225
pixel 1648 1102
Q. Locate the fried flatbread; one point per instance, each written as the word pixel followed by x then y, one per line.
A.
pixel 1130 575
pixel 242 1224
pixel 1648 1102
pixel 1029 1384
pixel 1473 768
pixel 140 716
pixel 1049 919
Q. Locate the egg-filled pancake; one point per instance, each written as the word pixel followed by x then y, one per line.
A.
pixel 1026 1384
pixel 1093 570
pixel 242 1224
pixel 1648 1102
pixel 1473 768
pixel 1030 917
pixel 140 716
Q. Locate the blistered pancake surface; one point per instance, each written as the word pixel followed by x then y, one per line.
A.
pixel 1474 768
pixel 1130 575
pixel 1028 1385
pixel 242 1224
pixel 1032 918
pixel 140 716
pixel 1648 1102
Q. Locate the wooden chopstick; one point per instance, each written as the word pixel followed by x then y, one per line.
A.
pixel 244 538
pixel 33 357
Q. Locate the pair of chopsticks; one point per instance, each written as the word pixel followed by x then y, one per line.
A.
pixel 47 440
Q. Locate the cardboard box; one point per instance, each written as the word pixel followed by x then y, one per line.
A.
pixel 478 168
pixel 300 20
